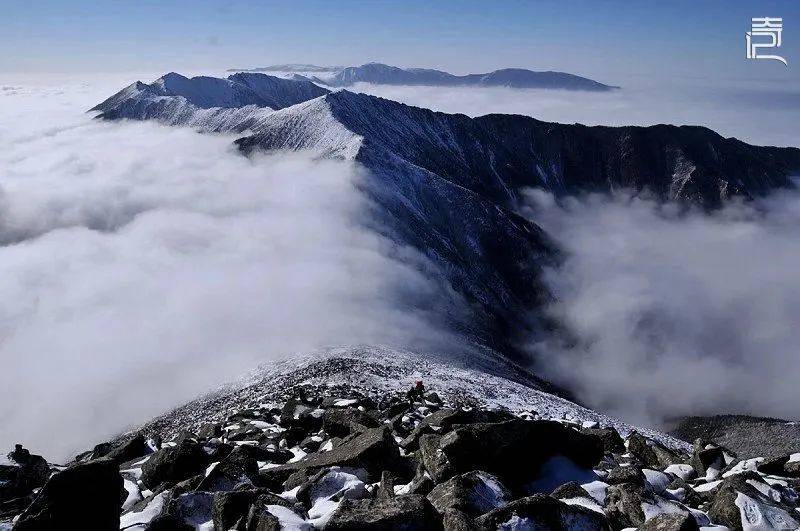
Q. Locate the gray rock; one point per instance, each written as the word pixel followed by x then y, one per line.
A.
pixel 455 520
pixel 126 450
pixel 570 490
pixel 342 422
pixel 374 450
pixel 231 510
pixel 515 450
pixel 651 453
pixel 174 464
pixel 737 503
pixel 28 472
pixel 411 512
pixel 704 458
pixel 84 496
pixel 168 522
pixel 473 494
pixel 543 512
pixel 434 461
pixel 670 522
pixel 612 441
pixel 194 508
pixel 237 468
pixel 626 474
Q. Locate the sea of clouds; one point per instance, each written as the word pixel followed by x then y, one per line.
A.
pixel 672 311
pixel 143 265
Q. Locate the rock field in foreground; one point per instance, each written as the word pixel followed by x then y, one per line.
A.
pixel 335 457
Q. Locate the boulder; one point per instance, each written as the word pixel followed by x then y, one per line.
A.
pixel 239 467
pixel 624 505
pixel 168 522
pixel 781 466
pixel 570 490
pixel 612 441
pixel 542 512
pixel 434 461
pixel 455 520
pixel 670 522
pixel 230 510
pixel 260 519
pixel 410 512
pixel 629 505
pixel 473 494
pixel 374 450
pixel 173 464
pixel 194 508
pixel 84 496
pixel 706 456
pixel 264 453
pixel 738 504
pixel 421 483
pixel 296 414
pixel 310 444
pixel 386 487
pixel 342 422
pixel 651 453
pixel 445 419
pixel 334 484
pixel 515 450
pixel 123 451
pixel 625 474
pixel 210 430
pixel 24 473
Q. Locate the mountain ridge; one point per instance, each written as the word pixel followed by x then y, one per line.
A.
pixel 450 186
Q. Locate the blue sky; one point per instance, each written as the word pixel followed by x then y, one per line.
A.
pixel 605 39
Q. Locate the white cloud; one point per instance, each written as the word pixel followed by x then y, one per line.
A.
pixel 143 265
pixel 673 311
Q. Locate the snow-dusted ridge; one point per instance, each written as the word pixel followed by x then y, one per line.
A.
pixel 210 104
pixel 487 382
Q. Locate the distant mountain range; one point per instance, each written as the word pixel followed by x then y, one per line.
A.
pixel 290 67
pixel 381 74
pixel 448 184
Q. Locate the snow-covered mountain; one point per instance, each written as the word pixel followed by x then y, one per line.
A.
pixel 381 74
pixel 373 437
pixel 449 185
pixel 212 104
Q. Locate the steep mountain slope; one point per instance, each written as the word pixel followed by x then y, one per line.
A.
pixel 449 185
pixel 495 156
pixel 381 74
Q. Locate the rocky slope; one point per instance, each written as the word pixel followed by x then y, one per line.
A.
pixel 336 441
pixel 747 436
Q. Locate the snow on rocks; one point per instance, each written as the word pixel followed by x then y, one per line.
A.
pixel 309 453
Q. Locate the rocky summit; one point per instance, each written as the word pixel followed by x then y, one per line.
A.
pixel 401 445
